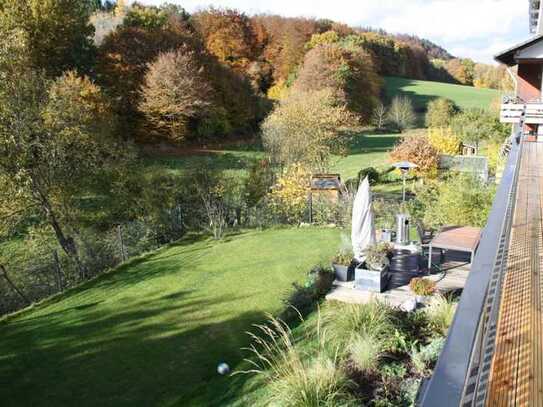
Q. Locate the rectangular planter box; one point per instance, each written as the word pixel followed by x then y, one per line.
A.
pixel 342 272
pixel 369 280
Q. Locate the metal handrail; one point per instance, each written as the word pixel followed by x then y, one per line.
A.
pixel 447 385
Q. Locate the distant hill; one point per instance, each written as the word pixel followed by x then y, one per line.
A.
pixel 433 50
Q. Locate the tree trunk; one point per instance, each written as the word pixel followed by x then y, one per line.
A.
pixel 66 242
pixel 13 286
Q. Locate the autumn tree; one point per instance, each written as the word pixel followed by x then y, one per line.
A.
pixel 229 35
pixel 176 92
pixel 415 147
pixel 153 17
pixel 474 126
pixel 379 116
pixel 306 128
pixel 349 72
pixel 401 113
pixel 285 48
pixel 440 112
pixel 56 143
pixel 57 34
pixel 124 56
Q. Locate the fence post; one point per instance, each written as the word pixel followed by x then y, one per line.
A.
pixel 121 242
pixel 58 271
pixel 13 286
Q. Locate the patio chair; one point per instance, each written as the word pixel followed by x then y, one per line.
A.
pixel 425 237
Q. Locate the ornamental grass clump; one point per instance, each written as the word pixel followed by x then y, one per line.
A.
pixel 344 322
pixel 298 378
pixel 440 312
pixel 364 352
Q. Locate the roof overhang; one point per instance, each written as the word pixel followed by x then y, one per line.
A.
pixel 509 56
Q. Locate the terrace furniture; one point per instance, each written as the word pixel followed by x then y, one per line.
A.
pixel 458 238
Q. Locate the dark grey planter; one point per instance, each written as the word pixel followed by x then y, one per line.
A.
pixel 341 272
pixel 370 280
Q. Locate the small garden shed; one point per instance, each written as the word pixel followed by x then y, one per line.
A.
pixel 326 187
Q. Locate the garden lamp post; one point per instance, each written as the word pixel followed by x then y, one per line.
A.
pixel 404 167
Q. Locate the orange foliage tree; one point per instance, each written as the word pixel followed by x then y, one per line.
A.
pixel 350 73
pixel 415 147
pixel 229 35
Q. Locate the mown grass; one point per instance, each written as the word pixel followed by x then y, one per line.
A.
pixel 153 332
pixel 423 92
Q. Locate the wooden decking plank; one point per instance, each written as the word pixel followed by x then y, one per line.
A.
pixel 517 366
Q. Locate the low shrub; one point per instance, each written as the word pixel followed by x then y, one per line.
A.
pixel 371 173
pixel 423 358
pixel 440 313
pixel 457 200
pixel 444 140
pixel 422 286
pixel 304 298
pixel 289 197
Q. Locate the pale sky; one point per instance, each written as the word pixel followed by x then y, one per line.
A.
pixel 476 29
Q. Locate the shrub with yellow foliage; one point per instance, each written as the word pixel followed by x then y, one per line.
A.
pixel 444 140
pixel 289 196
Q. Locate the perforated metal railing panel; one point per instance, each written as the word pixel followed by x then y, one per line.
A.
pixel 517 363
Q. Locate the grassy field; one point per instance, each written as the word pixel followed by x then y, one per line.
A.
pixel 364 150
pixel 153 332
pixel 422 92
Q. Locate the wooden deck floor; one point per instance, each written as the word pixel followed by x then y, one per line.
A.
pixel 517 365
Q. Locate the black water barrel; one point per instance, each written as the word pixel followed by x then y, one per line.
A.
pixel 404 266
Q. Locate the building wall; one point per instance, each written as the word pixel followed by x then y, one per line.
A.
pixel 529 81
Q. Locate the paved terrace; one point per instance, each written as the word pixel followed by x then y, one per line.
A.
pixel 494 352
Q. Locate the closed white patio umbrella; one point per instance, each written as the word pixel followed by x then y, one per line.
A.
pixel 363 229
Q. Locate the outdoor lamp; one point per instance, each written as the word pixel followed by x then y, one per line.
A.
pixel 404 167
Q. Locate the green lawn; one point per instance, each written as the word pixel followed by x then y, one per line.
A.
pixel 422 92
pixel 153 332
pixel 233 162
pixel 365 150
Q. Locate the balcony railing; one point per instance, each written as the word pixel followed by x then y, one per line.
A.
pixel 529 113
pixel 462 371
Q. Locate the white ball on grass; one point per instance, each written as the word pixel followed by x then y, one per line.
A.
pixel 223 369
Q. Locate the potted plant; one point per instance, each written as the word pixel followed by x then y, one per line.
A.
pixel 378 256
pixel 422 288
pixel 373 275
pixel 341 263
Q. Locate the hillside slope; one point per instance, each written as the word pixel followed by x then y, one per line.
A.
pixel 422 92
pixel 153 332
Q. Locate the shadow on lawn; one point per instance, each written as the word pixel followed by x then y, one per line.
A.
pixel 372 143
pixel 162 351
pixel 217 160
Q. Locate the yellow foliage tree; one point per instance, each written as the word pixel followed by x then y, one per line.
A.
pixel 278 91
pixel 328 37
pixel 444 140
pixel 289 196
